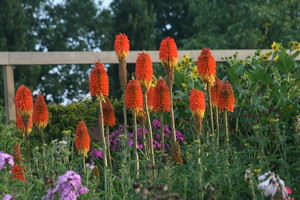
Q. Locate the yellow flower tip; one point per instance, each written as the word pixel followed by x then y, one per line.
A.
pixel 170 63
pixel 276 58
pixel 199 114
pixel 84 152
pixel 276 46
pixel 209 80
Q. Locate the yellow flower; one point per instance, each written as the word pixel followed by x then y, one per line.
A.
pixel 276 58
pixel 266 55
pixel 194 72
pixel 184 86
pixel 66 132
pixel 276 46
pixel 294 45
pixel 179 67
pixel 154 81
pixel 257 171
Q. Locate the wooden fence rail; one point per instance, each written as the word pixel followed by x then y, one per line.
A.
pixel 10 59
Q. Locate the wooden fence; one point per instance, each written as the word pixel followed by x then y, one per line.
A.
pixel 10 59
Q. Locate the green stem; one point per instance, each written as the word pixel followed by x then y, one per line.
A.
pixel 43 148
pixel 27 142
pixel 102 132
pixel 217 125
pixel 172 118
pixel 145 141
pixel 108 149
pixel 226 126
pixel 211 112
pixel 125 117
pixel 136 145
pixel 150 130
pixel 162 133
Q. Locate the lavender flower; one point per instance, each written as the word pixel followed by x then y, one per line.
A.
pixel 6 159
pixel 7 197
pixel 156 123
pixel 68 187
pixel 96 154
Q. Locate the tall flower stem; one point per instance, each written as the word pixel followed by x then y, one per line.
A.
pixel 125 117
pixel 162 133
pixel 102 131
pixel 217 125
pixel 43 148
pixel 172 118
pixel 27 142
pixel 150 130
pixel 137 164
pixel 211 111
pixel 145 141
pixel 226 127
pixel 108 149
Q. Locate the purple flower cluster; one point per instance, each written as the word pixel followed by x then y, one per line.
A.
pixel 68 187
pixel 6 159
pixel 96 154
pixel 7 197
pixel 115 136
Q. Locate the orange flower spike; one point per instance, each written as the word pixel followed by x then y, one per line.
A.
pixel 121 46
pixel 21 125
pixel 207 67
pixel 168 52
pixel 143 69
pixel 226 97
pixel 82 139
pixel 40 112
pixel 99 85
pixel 197 103
pixel 215 91
pixel 134 96
pixel 17 173
pixel 108 113
pixel 150 97
pixel 162 98
pixel 24 102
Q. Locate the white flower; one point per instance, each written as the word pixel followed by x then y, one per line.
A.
pixel 63 142
pixel 264 176
pixel 91 166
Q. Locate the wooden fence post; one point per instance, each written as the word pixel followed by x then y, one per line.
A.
pixel 9 92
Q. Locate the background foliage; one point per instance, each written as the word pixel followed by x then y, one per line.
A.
pixel 31 25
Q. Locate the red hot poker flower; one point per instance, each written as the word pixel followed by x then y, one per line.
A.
pixel 40 112
pixel 150 97
pixel 143 69
pixel 134 96
pixel 168 52
pixel 108 113
pixel 17 173
pixel 82 139
pixel 121 46
pixel 207 67
pixel 226 97
pixel 99 85
pixel 21 125
pixel 162 98
pixel 24 102
pixel 215 91
pixel 197 103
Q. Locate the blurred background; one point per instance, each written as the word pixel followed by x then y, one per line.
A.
pixel 91 25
